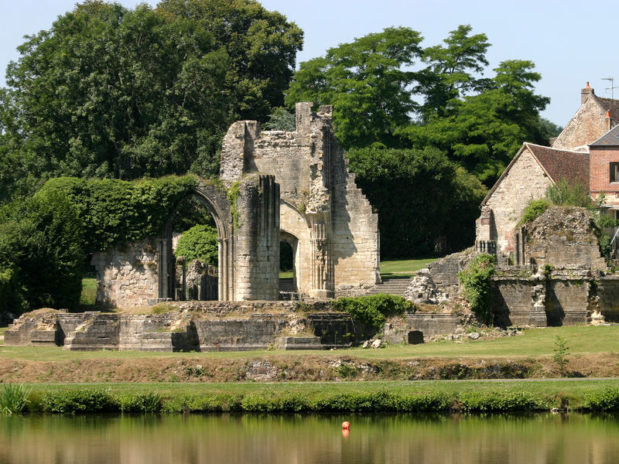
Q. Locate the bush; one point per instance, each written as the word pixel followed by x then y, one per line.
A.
pixel 533 210
pixel 605 401
pixel 566 194
pixel 40 254
pixel 501 402
pixel 373 310
pixel 149 403
pixel 199 242
pixel 13 399
pixel 476 280
pixel 79 401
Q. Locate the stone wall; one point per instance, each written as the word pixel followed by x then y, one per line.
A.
pixel 335 229
pixel 607 297
pixel 587 125
pixel 128 274
pixel 564 238
pixel 526 180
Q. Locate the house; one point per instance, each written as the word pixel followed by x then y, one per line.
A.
pixel 585 153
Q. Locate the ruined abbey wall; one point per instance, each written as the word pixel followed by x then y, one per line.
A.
pixel 330 220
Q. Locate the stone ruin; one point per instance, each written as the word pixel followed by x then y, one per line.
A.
pixel 274 186
pixel 557 277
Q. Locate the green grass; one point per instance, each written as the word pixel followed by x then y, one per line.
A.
pixel 534 343
pixel 89 292
pixel 403 267
pixel 286 274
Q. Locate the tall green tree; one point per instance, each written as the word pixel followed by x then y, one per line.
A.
pixel 452 70
pixel 484 131
pixel 368 84
pixel 111 92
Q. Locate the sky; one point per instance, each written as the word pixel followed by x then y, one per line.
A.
pixel 569 41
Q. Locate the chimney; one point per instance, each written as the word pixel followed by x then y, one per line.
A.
pixel 584 93
pixel 608 121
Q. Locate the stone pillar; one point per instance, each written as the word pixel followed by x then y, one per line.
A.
pixel 322 263
pixel 256 227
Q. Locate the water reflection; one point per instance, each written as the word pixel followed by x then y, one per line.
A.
pixel 315 439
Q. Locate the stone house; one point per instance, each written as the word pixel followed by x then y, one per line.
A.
pixel 586 153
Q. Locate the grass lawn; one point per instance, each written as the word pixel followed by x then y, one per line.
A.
pixel 403 267
pixel 534 343
pixel 89 292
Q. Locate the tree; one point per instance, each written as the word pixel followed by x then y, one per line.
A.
pixel 450 74
pixel 111 92
pixel 484 131
pixel 367 83
pixel 437 201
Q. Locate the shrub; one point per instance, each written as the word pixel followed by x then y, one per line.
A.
pixel 476 280
pixel 199 242
pixel 79 401
pixel 605 401
pixel 13 399
pixel 533 210
pixel 501 402
pixel 566 194
pixel 149 403
pixel 373 310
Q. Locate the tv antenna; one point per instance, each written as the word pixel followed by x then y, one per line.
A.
pixel 612 86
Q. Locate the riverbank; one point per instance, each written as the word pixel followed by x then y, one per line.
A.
pixel 319 397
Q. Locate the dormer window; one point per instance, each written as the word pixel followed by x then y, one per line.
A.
pixel 614 172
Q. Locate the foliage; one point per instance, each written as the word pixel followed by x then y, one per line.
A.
pixel 483 132
pixel 569 194
pixel 502 402
pixel 560 352
pixel 147 403
pixel 13 399
pixel 476 280
pixel 373 310
pixel 114 211
pixel 112 92
pixel 79 401
pixel 368 84
pixel 41 254
pixel 533 210
pixel 199 242
pixel 437 202
pixel 606 400
pixel 282 120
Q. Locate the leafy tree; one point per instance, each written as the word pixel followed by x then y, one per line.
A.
pixel 199 242
pixel 281 119
pixel 437 202
pixel 111 92
pixel 450 74
pixel 484 131
pixel 262 47
pixel 367 83
pixel 40 254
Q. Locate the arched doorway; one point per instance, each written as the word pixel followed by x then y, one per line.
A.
pixel 289 265
pixel 202 203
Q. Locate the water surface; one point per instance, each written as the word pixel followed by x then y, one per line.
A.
pixel 248 439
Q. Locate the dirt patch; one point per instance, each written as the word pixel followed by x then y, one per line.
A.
pixel 308 368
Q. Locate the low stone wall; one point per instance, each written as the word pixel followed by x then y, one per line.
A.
pixel 561 298
pixel 607 293
pixel 212 326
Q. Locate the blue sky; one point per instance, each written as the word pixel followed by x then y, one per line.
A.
pixel 569 41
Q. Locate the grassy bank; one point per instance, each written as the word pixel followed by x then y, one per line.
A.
pixel 395 397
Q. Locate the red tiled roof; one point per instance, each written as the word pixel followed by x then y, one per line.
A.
pixel 573 166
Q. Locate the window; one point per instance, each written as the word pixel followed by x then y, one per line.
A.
pixel 614 172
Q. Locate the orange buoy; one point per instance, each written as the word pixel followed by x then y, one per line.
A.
pixel 345 433
pixel 345 425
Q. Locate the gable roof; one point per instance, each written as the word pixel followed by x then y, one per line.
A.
pixel 609 105
pixel 573 166
pixel 609 139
